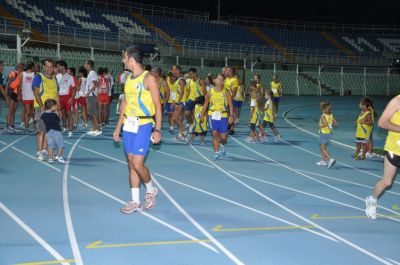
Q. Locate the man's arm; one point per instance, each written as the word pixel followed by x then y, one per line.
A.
pixel 151 84
pixel 384 120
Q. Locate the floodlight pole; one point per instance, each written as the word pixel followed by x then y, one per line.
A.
pixel 219 9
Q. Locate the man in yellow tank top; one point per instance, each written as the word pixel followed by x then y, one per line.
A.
pixel 180 91
pixel 276 88
pixel 140 109
pixel 390 120
pixel 231 84
pixel 44 87
pixel 197 89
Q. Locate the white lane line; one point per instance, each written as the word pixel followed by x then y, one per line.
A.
pixel 146 214
pixel 229 254
pixel 34 235
pixel 347 242
pixel 68 219
pixel 394 262
pixel 244 206
pixel 298 191
pixel 11 144
pixel 35 158
pixel 344 181
pixel 314 134
pixel 186 159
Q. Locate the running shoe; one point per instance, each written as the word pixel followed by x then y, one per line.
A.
pixel 91 132
pixel 223 152
pixel 180 137
pixel 41 157
pixel 331 162
pixel 171 130
pixel 264 139
pixel 70 134
pixel 64 130
pixel 278 138
pixel 322 163
pixel 84 125
pixel 202 143
pixel 150 199
pixel 216 156
pixel 60 159
pixel 371 207
pixel 369 155
pixel 51 160
pixel 131 207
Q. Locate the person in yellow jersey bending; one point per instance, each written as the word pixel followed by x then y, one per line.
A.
pixel 389 120
pixel 140 109
pixel 363 128
pixel 221 107
pixel 276 88
pixel 326 123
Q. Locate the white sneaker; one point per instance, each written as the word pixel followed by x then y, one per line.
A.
pixel 51 160
pixel 97 133
pixel 322 163
pixel 45 153
pixel 131 207
pixel 278 138
pixel 331 162
pixel 371 206
pixel 64 130
pixel 84 125
pixel 91 132
pixel 60 159
pixel 40 157
pixel 369 155
pixel 22 125
pixel 70 134
pixel 171 130
pixel 150 199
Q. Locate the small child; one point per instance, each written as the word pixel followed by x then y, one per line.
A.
pixel 255 116
pixel 54 136
pixel 363 128
pixel 269 117
pixel 326 123
pixel 199 128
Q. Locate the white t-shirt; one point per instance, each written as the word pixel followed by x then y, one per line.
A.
pixel 92 77
pixel 26 86
pixel 82 90
pixel 65 84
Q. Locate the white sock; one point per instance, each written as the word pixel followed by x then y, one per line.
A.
pixel 222 146
pixel 149 186
pixel 135 195
pixel 373 199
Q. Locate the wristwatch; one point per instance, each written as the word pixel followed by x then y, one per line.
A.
pixel 158 130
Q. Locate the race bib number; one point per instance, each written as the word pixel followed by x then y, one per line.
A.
pixel 131 124
pixel 253 103
pixel 275 91
pixel 173 95
pixel 216 115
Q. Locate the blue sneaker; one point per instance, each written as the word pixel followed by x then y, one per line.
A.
pixel 222 152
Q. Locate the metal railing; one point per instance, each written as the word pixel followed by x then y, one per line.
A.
pixel 311 26
pixel 11 25
pixel 144 9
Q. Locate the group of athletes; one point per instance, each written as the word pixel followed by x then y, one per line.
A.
pixel 212 104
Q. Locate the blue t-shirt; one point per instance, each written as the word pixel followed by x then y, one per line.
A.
pixel 37 81
pixel 51 120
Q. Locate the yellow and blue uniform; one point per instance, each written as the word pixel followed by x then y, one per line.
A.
pixel 363 131
pixel 392 144
pixel 172 95
pixel 255 118
pixel 178 91
pixel 195 92
pixel 325 133
pixel 162 90
pixel 218 111
pixel 276 89
pixel 48 88
pixel 230 83
pixel 199 128
pixel 269 111
pixel 139 113
pixel 238 99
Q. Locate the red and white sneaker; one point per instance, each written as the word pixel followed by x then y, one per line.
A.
pixel 131 207
pixel 150 199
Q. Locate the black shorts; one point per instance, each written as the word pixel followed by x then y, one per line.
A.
pixel 13 96
pixel 270 124
pixel 393 159
pixel 201 133
pixel 252 127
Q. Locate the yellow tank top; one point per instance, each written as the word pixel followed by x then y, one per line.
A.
pixel 269 112
pixel 178 90
pixel 48 89
pixel 162 89
pixel 172 91
pixel 275 87
pixel 218 102
pixel 327 129
pixel 199 126
pixel 227 83
pixel 256 116
pixel 139 102
pixel 393 138
pixel 239 94
pixel 363 131
pixel 195 89
pixel 186 90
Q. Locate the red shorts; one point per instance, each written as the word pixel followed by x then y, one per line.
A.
pixel 102 98
pixel 27 102
pixel 64 103
pixel 81 101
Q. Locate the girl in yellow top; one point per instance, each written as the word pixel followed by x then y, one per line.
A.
pixel 170 106
pixel 363 128
pixel 221 108
pixel 255 116
pixel 269 117
pixel 276 88
pixel 199 127
pixel 326 123
pixel 390 120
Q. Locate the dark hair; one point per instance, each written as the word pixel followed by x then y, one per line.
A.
pixel 323 105
pixel 135 52
pixel 210 79
pixel 1 62
pixel 100 71
pixel 106 70
pixel 177 67
pixel 62 63
pixel 193 70
pixel 270 94
pixel 147 67
pixel 72 70
pixel 157 69
pixel 49 60
pixel 49 103
pixel 29 66
pixel 258 76
pixel 83 71
pixel 91 63
pixel 367 101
